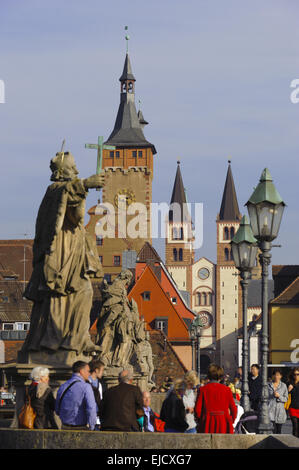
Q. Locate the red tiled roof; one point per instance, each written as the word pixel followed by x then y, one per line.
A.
pixel 12 257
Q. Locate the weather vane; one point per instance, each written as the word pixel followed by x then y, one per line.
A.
pixel 127 37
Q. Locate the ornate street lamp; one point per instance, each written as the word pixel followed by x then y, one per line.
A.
pixel 195 334
pixel 244 250
pixel 265 208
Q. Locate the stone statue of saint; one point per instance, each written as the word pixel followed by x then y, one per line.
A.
pixel 145 358
pixel 119 327
pixel 64 259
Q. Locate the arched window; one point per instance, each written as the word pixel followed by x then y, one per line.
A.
pixel 204 299
pixel 232 232
pixel 175 254
pixel 181 233
pixel 231 256
pixel 226 233
pixel 210 298
pixel 226 254
pixel 181 254
pixel 198 298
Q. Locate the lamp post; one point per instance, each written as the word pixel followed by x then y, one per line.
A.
pixel 195 335
pixel 193 339
pixel 265 209
pixel 244 250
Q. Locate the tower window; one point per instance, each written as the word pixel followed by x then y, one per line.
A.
pixel 111 153
pixel 134 153
pixel 101 259
pixel 226 233
pixel 175 254
pixel 116 260
pixel 140 153
pixel 232 232
pixel 181 254
pixel 117 153
pixel 226 254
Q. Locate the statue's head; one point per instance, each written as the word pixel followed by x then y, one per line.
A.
pixel 126 275
pixel 63 167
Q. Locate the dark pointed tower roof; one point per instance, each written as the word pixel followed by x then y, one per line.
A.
pixel 229 206
pixel 179 195
pixel 127 71
pixel 127 130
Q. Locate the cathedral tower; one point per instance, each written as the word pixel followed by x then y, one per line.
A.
pixel 179 250
pixel 228 290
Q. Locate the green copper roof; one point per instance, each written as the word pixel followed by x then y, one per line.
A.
pixel 265 191
pixel 244 233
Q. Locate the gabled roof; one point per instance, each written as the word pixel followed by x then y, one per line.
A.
pixel 146 271
pixel 290 295
pixel 229 209
pixel 148 253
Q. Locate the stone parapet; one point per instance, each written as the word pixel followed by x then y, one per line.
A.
pixel 56 439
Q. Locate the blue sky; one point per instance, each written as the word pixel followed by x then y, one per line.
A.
pixel 213 78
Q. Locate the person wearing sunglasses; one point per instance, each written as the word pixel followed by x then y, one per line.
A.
pixel 294 406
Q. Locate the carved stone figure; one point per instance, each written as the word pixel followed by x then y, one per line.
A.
pixel 64 259
pixel 119 326
pixel 145 358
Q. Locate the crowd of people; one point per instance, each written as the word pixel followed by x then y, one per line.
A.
pixel 211 405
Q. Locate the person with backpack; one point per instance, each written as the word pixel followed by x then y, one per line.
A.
pixel 75 402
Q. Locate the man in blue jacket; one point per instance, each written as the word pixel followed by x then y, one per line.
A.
pixel 75 402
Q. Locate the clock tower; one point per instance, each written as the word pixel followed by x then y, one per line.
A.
pixel 128 172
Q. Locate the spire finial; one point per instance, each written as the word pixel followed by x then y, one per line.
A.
pixel 127 37
pixel 178 162
pixel 229 160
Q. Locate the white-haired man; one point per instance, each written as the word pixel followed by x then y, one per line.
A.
pixel 122 405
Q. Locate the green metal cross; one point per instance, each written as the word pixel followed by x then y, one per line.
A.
pixel 100 146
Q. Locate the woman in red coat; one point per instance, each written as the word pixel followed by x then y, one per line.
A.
pixel 215 407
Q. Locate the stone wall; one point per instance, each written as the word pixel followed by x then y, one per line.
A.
pixel 50 439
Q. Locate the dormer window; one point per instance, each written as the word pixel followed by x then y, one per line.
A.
pixel 146 295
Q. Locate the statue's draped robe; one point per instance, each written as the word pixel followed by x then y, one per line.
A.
pixel 64 256
pixel 119 327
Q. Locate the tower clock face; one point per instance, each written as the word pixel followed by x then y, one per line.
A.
pixel 127 194
pixel 203 273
